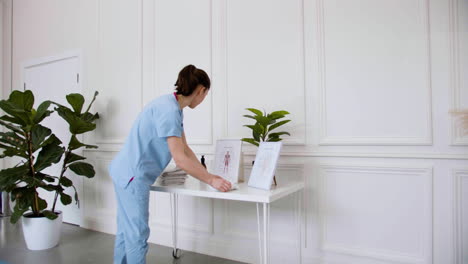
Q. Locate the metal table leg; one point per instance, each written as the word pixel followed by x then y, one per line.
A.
pixel 266 232
pixel 174 204
pixel 264 248
pixel 299 224
pixel 259 234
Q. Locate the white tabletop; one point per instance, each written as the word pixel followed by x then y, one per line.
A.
pixel 194 187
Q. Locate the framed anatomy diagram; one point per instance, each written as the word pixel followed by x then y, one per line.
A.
pixel 227 160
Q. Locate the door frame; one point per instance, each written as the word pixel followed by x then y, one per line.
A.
pixel 30 63
pixel 51 59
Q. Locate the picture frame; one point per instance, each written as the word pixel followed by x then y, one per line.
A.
pixel 227 160
pixel 264 167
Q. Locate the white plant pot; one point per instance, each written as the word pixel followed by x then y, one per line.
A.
pixel 40 232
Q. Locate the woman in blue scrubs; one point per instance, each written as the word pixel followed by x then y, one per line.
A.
pixel 156 136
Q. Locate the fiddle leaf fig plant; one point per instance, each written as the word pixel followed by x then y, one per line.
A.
pixel 265 123
pixel 38 148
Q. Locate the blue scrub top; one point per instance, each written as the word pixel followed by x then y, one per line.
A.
pixel 145 153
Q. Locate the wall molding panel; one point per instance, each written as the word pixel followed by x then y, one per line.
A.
pixel 323 85
pixel 99 197
pixel 229 219
pixel 425 156
pixel 174 47
pixel 185 204
pixel 457 63
pixel 119 85
pixel 289 84
pixel 460 231
pixel 374 182
pixel 369 86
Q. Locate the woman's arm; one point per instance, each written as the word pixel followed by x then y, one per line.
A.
pixel 192 166
pixel 188 150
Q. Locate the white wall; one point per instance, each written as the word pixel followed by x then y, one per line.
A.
pixel 369 85
pixel 6 21
pixel 3 62
pixel 2 15
pixel 1 59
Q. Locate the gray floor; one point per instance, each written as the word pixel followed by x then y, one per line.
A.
pixel 78 245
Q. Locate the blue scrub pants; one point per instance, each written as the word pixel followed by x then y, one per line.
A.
pixel 133 231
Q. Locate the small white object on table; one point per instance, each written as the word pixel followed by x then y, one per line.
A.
pixel 196 188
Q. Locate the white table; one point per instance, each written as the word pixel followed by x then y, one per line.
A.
pixel 195 188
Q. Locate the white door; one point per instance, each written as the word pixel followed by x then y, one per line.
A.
pixel 52 79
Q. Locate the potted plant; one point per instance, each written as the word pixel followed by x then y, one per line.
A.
pixel 37 148
pixel 265 123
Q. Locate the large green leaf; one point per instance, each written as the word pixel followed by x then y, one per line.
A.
pixel 42 203
pixel 256 135
pixel 52 139
pixel 250 126
pixel 76 124
pixel 66 182
pixel 17 214
pixel 26 198
pixel 76 101
pixel 255 111
pixel 38 135
pixel 278 134
pixel 42 112
pixel 11 127
pixel 21 116
pixel 48 187
pixel 83 168
pixel 50 153
pixel 260 129
pixel 72 157
pixel 33 182
pixel 12 152
pixel 25 100
pixel 263 120
pixel 275 139
pixel 88 117
pixel 65 198
pixel 276 125
pixel 9 177
pixel 18 192
pixel 52 188
pixel 13 139
pixel 251 141
pixel 12 119
pixel 45 177
pixel 257 131
pixel 250 116
pixel 75 144
pixel 49 214
pixel 278 114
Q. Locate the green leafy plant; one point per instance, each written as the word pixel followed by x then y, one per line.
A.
pixel 38 148
pixel 265 123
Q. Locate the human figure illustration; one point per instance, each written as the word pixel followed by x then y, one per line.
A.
pixel 227 159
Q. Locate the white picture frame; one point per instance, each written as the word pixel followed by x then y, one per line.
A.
pixel 264 167
pixel 227 160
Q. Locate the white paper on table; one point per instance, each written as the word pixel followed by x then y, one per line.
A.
pixel 264 167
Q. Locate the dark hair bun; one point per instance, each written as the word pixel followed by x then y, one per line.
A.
pixel 189 78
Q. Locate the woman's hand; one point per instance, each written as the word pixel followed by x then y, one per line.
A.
pixel 220 183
